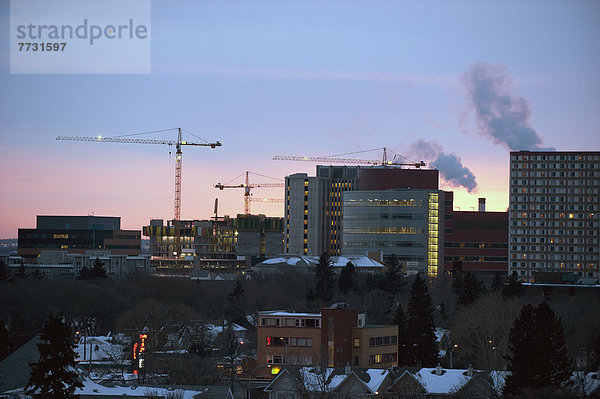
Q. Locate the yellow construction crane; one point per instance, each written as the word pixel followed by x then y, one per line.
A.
pixel 247 186
pixel 178 154
pixel 384 161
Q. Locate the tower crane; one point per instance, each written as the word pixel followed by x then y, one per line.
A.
pixel 384 161
pixel 247 186
pixel 178 154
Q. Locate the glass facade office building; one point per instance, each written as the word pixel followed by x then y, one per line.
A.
pixel 405 222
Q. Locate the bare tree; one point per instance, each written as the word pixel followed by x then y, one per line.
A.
pixel 480 331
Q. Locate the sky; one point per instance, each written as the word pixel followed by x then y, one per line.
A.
pixel 458 84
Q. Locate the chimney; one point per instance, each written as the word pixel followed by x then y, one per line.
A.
pixel 470 371
pixel 347 369
pixel 438 370
pixel 481 204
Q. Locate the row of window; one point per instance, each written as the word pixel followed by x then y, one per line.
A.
pixel 552 198
pixel 384 230
pixel 383 244
pixel 556 265
pixel 383 202
pixel 289 322
pixel 383 358
pixel 553 157
pixel 577 182
pixel 475 245
pixel 553 174
pixel 289 341
pixel 556 240
pixel 476 258
pixel 551 248
pixel 381 341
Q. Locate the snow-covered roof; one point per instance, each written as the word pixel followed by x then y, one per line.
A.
pixel 318 380
pixel 99 352
pixel 585 382
pixel 214 330
pixel 376 378
pixel 92 389
pixel 440 332
pixel 451 380
pixel 359 261
pixel 273 260
pixel 281 313
pixel 315 380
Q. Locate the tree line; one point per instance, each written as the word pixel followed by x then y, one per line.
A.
pixel 480 316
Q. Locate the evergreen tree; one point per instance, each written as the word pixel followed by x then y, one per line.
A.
pixel 420 326
pixel 513 287
pixel 537 356
pixel 84 273
pixel 21 272
pixel 467 288
pixel 403 337
pixel 98 270
pixel 496 283
pixel 234 309
pixel 555 367
pixel 54 375
pixel 392 275
pixel 4 271
pixel 595 364
pixel 347 278
pixel 443 312
pixel 324 278
pixel 4 341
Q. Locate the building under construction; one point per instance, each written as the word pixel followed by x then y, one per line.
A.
pixel 230 244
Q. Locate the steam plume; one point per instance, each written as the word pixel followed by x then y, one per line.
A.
pixel 449 165
pixel 501 116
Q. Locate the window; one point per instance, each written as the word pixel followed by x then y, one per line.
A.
pixel 381 341
pixel 289 341
pixel 357 342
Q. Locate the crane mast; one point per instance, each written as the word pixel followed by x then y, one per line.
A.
pixel 247 186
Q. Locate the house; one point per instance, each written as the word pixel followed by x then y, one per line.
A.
pixel 340 382
pixel 443 383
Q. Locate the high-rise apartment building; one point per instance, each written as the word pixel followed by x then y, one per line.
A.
pixel 554 223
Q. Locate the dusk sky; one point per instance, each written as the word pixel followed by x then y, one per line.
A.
pixel 434 80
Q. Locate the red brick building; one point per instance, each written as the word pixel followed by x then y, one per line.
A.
pixel 475 240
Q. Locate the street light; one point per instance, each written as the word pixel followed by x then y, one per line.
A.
pixel 451 351
pixel 232 358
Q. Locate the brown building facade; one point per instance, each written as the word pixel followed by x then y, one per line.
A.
pixel 334 337
pixel 475 240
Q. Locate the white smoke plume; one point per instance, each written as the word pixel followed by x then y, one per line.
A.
pixel 501 115
pixel 449 165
